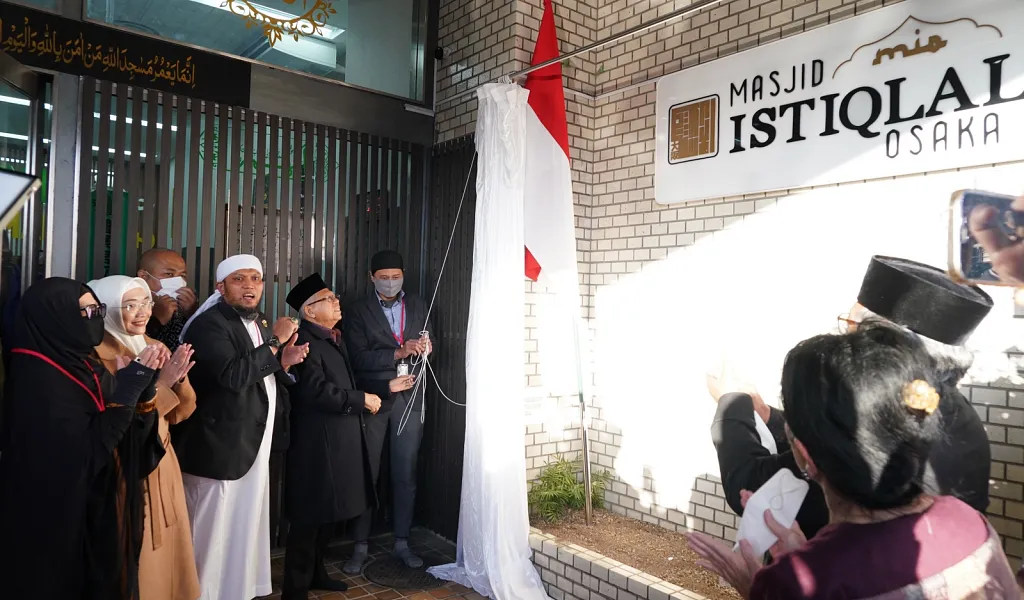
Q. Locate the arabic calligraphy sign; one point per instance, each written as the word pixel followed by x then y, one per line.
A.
pixel 48 41
pixel 924 85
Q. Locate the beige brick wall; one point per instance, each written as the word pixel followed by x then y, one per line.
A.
pixel 622 232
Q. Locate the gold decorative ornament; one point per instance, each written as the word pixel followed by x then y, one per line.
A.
pixel 921 396
pixel 276 27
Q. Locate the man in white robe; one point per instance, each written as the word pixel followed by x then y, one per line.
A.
pixel 241 416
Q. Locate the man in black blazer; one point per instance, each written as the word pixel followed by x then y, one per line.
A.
pixel 241 416
pixel 381 332
pixel 328 476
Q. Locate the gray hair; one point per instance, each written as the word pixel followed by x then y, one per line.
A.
pixel 951 362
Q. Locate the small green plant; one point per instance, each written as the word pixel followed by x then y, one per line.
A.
pixel 560 489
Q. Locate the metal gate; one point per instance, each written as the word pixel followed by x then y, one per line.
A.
pixel 444 433
pixel 210 181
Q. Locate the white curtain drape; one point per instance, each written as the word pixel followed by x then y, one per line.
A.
pixel 494 556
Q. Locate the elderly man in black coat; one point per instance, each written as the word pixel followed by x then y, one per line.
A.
pixel 943 313
pixel 328 473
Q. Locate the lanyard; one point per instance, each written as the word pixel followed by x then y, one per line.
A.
pixel 97 400
pixel 400 337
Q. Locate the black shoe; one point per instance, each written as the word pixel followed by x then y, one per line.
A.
pixel 329 585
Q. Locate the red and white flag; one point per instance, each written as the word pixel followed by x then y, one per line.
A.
pixel 548 220
pixel 548 212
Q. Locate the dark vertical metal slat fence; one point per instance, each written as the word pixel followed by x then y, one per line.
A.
pixel 149 199
pixel 135 174
pixel 445 424
pixel 101 248
pixel 86 208
pixel 211 181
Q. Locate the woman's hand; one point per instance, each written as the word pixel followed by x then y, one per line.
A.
pixel 178 366
pixel 789 539
pixel 400 384
pixel 737 569
pixel 154 356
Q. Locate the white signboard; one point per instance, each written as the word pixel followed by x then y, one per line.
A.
pixel 924 85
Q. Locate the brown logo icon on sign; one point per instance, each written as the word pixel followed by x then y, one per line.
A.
pixel 693 130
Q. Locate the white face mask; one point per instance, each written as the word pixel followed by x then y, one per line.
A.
pixel 170 286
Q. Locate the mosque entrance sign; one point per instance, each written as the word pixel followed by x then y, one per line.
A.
pixel 924 85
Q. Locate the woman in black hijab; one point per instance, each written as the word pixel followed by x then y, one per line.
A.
pixel 74 449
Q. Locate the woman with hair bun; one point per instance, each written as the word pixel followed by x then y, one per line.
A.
pixel 861 412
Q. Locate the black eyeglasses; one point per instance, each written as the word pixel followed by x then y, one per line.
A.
pixel 334 297
pixel 94 311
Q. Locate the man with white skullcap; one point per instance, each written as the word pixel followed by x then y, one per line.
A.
pixel 241 416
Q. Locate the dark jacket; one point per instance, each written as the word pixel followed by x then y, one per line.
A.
pixel 960 461
pixel 957 466
pixel 372 345
pixel 746 465
pixel 222 438
pixel 327 479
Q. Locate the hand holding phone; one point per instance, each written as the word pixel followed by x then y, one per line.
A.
pixel 987 239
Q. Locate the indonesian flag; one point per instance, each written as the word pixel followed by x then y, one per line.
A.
pixel 550 231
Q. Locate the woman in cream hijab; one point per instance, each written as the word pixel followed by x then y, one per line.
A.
pixel 167 569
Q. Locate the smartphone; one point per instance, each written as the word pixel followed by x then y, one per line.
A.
pixel 986 239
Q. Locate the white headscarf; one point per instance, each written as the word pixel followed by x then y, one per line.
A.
pixel 111 291
pixel 231 264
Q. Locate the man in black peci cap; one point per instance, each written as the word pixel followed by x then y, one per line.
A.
pixel 327 476
pixel 943 314
pixel 383 332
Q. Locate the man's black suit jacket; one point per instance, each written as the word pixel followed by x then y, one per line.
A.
pixel 746 465
pixel 372 346
pixel 222 437
pixel 958 464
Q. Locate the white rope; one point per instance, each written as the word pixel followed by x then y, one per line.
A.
pixel 451 238
pixel 419 361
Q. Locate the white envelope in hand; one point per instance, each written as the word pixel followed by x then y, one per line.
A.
pixel 782 494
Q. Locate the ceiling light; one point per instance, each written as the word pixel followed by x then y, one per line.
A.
pixel 326 31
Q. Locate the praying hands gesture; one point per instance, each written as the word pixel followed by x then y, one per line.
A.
pixel 154 357
pixel 177 367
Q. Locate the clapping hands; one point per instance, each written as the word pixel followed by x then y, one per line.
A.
pixel 178 366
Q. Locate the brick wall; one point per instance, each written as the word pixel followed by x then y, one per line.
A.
pixel 725 264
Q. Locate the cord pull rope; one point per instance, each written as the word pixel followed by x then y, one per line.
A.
pixel 419 362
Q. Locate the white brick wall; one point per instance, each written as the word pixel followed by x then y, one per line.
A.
pixel 570 572
pixel 624 238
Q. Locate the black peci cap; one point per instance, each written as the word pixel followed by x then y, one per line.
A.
pixel 305 290
pixel 386 259
pixel 923 299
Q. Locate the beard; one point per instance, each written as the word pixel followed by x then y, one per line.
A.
pixel 249 314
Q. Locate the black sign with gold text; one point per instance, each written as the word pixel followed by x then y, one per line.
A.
pixel 47 41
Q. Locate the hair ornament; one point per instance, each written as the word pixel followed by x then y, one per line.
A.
pixel 919 395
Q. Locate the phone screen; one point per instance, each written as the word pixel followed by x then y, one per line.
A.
pixel 987 239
